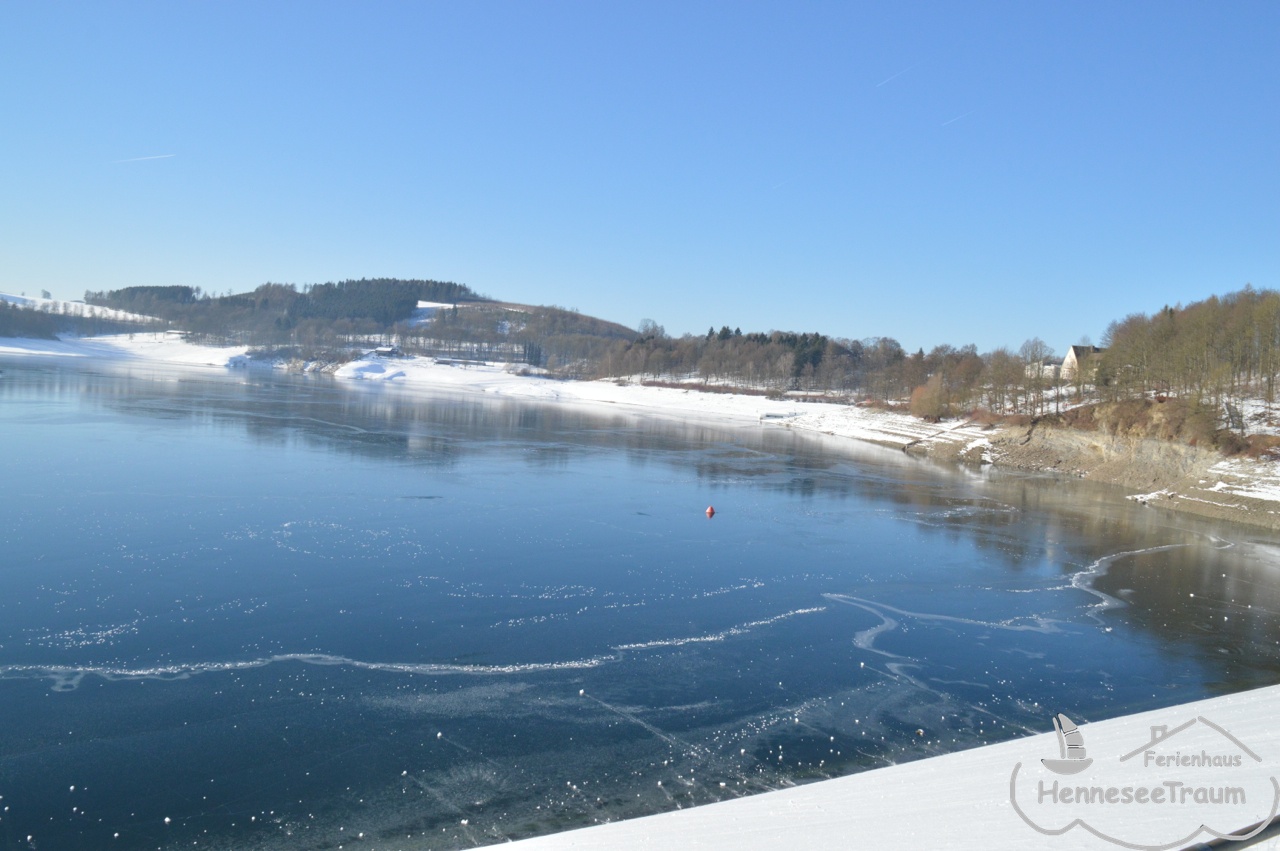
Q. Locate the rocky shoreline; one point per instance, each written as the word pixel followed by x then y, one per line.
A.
pixel 1161 473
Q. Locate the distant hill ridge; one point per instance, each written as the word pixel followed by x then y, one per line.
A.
pixel 338 315
pixel 383 300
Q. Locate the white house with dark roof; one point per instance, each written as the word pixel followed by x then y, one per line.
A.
pixel 1076 356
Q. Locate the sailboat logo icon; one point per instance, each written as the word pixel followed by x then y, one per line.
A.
pixel 1070 748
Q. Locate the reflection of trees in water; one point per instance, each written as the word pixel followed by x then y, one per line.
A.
pixel 50 380
pixel 388 421
pixel 1026 521
pixel 1215 605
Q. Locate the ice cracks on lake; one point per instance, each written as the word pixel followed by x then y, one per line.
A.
pixel 741 629
pixel 1081 580
pixel 866 639
pixel 1084 580
pixel 68 677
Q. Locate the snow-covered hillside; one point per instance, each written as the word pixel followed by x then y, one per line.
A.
pixel 75 308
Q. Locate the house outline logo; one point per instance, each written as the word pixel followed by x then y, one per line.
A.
pixel 1161 734
pixel 1236 756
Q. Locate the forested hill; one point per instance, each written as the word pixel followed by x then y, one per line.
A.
pixel 273 312
pixel 328 319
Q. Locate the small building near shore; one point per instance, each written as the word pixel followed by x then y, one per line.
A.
pixel 1079 357
pixel 1048 369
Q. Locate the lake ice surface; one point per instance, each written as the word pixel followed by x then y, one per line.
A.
pixel 244 610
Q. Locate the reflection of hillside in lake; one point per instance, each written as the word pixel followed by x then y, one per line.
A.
pixel 347 606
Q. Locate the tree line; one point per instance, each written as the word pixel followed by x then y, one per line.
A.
pixel 21 322
pixel 1209 351
pixel 1206 353
pixel 943 381
pixel 565 341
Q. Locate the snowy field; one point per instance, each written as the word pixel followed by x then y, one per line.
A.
pixel 966 800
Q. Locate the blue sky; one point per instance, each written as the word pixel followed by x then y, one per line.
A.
pixel 935 172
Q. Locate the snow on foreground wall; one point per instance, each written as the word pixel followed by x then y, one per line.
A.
pixel 1212 763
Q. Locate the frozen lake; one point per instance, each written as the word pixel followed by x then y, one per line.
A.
pixel 241 610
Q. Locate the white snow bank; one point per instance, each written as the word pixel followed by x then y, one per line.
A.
pixel 1245 477
pixel 883 427
pixel 521 382
pixel 370 372
pixel 963 800
pixel 887 427
pixel 1145 498
pixel 157 347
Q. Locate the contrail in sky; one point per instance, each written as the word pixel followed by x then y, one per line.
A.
pixel 897 75
pixel 958 117
pixel 140 159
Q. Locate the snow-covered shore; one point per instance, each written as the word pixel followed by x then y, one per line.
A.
pixel 1160 473
pixel 869 424
pixel 156 347
pixel 514 382
pixel 966 800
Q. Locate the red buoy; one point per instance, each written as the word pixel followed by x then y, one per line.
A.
pixel 711 511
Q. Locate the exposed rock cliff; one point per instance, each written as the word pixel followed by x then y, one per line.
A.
pixel 1163 473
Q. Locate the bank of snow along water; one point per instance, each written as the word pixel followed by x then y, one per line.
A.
pixel 1164 472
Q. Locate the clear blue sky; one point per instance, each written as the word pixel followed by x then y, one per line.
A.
pixel 935 172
